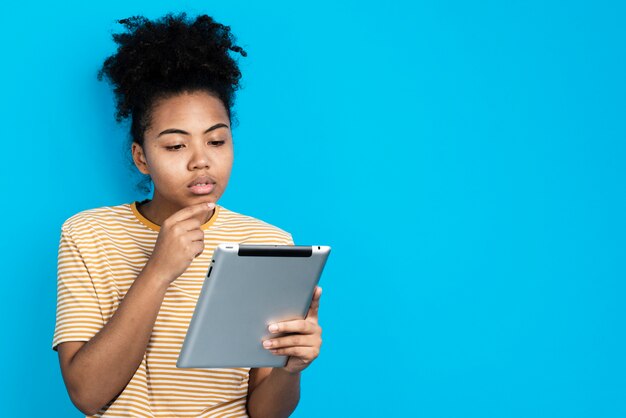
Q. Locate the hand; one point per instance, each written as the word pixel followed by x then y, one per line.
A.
pixel 180 240
pixel 304 340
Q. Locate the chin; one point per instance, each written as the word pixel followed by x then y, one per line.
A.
pixel 209 197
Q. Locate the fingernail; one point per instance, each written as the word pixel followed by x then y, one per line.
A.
pixel 273 327
pixel 211 205
pixel 267 343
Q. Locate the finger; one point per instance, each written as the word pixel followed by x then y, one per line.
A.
pixel 315 303
pixel 301 326
pixel 304 340
pixel 190 224
pixel 196 235
pixel 191 211
pixel 305 354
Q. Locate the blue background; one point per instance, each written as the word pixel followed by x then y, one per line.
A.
pixel 464 159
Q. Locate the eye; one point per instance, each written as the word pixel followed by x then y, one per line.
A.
pixel 217 143
pixel 173 147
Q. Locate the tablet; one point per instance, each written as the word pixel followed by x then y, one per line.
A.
pixel 246 288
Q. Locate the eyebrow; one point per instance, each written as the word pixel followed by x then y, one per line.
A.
pixel 180 131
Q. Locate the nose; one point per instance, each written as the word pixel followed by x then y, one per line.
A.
pixel 200 156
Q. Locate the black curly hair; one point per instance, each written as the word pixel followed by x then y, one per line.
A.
pixel 165 57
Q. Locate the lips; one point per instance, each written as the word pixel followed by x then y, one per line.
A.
pixel 202 189
pixel 201 180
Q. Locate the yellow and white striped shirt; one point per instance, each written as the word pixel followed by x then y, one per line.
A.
pixel 101 252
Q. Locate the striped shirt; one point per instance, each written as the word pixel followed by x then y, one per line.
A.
pixel 101 252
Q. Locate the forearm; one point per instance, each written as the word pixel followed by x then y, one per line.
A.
pixel 105 364
pixel 276 396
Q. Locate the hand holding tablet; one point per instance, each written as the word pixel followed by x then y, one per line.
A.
pixel 247 288
pixel 302 346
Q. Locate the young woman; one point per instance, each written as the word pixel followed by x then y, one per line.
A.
pixel 129 275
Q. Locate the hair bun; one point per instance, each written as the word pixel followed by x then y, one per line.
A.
pixel 169 55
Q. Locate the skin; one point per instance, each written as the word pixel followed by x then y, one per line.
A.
pixel 201 144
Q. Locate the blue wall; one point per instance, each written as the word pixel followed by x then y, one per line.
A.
pixel 464 159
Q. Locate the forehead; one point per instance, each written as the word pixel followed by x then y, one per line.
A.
pixel 188 109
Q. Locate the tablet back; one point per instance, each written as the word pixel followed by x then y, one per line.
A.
pixel 248 287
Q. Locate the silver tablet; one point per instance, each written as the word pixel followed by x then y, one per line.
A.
pixel 247 287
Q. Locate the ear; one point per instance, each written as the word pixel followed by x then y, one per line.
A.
pixel 139 158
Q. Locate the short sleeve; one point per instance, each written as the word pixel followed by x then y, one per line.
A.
pixel 78 313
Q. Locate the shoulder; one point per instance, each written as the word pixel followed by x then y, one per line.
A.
pixel 90 220
pixel 253 227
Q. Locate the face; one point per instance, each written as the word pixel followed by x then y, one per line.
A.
pixel 189 137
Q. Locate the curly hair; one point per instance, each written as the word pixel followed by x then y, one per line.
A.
pixel 165 57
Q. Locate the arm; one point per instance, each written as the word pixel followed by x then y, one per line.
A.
pixel 97 371
pixel 272 392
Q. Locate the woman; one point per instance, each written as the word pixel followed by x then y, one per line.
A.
pixel 129 275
